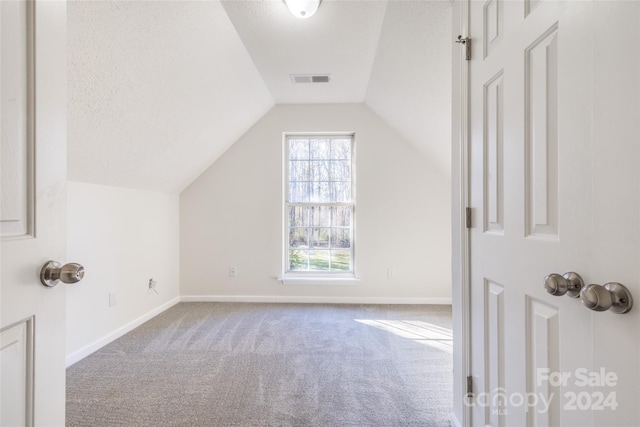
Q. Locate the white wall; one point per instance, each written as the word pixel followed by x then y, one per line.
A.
pixel 123 238
pixel 232 215
pixel 410 83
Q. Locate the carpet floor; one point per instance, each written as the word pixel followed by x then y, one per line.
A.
pixel 245 364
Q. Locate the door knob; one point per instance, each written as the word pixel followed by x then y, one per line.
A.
pixel 612 296
pixel 569 283
pixel 53 272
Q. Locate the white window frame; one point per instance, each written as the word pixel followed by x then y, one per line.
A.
pixel 313 277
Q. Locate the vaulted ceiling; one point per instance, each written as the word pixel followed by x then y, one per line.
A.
pixel 158 90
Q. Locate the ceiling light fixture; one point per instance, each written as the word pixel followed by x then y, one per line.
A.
pixel 302 8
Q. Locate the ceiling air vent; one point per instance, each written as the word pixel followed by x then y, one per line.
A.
pixel 310 78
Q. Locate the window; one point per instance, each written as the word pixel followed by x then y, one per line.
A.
pixel 319 204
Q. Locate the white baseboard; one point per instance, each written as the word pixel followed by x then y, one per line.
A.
pixel 313 300
pixel 78 355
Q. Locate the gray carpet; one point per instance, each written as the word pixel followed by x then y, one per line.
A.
pixel 235 364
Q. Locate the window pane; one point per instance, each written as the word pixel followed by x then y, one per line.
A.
pixel 341 191
pixel 298 216
pixel 298 238
pixel 340 238
pixel 320 148
pixel 298 191
pixel 341 216
pixel 320 192
pixel 341 260
pixel 319 260
pixel 299 170
pixel 299 149
pixel 298 260
pixel 319 237
pixel 320 216
pixel 320 179
pixel 341 149
pixel 319 171
pixel 341 170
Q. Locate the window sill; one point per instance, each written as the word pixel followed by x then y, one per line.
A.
pixel 318 280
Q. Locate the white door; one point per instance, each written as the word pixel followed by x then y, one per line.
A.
pixel 555 152
pixel 33 125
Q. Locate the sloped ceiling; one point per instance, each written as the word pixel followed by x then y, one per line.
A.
pixel 159 90
pixel 340 40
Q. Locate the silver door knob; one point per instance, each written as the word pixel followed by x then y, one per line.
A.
pixel 569 283
pixel 53 272
pixel 612 296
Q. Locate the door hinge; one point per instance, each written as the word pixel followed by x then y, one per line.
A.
pixel 469 386
pixel 466 41
pixel 468 217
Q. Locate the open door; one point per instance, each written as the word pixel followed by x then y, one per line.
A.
pixel 33 74
pixel 554 117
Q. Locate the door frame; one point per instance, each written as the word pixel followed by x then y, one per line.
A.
pixel 461 284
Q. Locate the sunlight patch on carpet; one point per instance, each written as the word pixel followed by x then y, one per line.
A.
pixel 416 330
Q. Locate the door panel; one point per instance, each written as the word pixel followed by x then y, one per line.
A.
pixel 494 345
pixel 554 188
pixel 34 134
pixel 16 183
pixel 541 137
pixel 16 355
pixel 543 351
pixel 494 155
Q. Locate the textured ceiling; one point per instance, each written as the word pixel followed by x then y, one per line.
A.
pixel 159 90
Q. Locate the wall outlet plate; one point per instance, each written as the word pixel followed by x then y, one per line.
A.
pixel 113 299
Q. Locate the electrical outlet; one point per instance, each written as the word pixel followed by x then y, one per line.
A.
pixel 233 271
pixel 152 284
pixel 391 272
pixel 113 299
